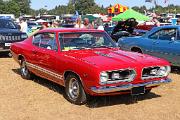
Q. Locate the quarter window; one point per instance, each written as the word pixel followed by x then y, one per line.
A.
pixel 45 40
pixel 165 34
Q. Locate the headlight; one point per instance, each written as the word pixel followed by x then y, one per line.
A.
pixel 115 75
pixel 164 71
pixel 24 36
pixel 103 77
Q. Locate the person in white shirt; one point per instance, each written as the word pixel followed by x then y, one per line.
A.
pixel 24 26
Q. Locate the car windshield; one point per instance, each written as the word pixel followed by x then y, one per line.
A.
pixel 7 24
pixel 85 40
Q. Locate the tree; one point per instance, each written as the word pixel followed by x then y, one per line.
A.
pixel 24 6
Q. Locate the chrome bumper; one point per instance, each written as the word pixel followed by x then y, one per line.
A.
pixel 129 86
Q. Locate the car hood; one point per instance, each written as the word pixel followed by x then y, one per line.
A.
pixel 6 30
pixel 109 59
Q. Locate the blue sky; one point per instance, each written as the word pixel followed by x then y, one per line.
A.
pixel 37 4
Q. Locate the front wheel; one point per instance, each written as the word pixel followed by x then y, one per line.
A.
pixel 74 90
pixel 25 73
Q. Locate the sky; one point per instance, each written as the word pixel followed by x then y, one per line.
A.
pixel 50 4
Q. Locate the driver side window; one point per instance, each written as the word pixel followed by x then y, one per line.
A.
pixel 45 40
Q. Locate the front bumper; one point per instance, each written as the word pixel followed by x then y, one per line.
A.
pixel 129 86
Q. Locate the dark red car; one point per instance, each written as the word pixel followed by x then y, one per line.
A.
pixel 87 62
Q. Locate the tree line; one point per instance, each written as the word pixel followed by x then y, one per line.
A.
pixel 21 7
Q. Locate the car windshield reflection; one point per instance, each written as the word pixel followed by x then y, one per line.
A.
pixel 85 40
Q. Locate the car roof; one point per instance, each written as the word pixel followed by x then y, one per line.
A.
pixel 69 30
pixel 169 26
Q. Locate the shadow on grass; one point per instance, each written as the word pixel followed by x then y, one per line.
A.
pixel 175 70
pixel 44 82
pixel 4 55
pixel 128 99
pixel 95 102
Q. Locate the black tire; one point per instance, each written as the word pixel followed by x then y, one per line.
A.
pixel 25 73
pixel 74 90
pixel 147 91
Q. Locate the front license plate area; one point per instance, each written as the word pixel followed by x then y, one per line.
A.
pixel 7 44
pixel 138 90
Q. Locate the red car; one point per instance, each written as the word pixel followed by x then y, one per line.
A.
pixel 87 62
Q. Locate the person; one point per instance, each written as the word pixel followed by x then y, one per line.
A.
pixel 78 23
pixel 86 24
pixel 23 25
pixel 178 21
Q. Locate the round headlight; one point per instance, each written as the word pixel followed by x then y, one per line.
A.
pixel 115 75
pixel 164 71
pixel 103 77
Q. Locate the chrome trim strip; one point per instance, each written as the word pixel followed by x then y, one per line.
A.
pixel 44 70
pixel 129 86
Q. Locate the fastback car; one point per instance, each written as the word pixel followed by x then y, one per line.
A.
pixel 163 42
pixel 9 33
pixel 88 63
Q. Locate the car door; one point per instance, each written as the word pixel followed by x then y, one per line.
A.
pixel 46 55
pixel 165 46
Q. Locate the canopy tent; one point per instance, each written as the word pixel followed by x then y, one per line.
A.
pixel 130 14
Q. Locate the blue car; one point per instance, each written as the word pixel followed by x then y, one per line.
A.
pixel 162 42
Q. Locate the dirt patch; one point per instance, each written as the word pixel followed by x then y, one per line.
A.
pixel 40 99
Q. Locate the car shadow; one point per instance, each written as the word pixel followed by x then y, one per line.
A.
pixel 175 70
pixel 4 55
pixel 95 102
pixel 127 99
pixel 44 82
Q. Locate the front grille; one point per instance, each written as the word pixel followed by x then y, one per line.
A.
pixel 9 38
pixel 121 76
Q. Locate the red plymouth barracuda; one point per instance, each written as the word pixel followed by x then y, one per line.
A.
pixel 88 63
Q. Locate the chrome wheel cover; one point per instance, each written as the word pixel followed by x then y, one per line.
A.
pixel 73 88
pixel 24 70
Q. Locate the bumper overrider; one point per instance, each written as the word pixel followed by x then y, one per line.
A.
pixel 129 86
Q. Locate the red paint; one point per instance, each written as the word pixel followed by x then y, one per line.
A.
pixel 85 63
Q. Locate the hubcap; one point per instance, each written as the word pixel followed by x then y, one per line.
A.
pixel 73 88
pixel 24 70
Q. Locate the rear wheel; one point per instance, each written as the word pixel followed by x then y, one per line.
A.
pixel 25 73
pixel 74 90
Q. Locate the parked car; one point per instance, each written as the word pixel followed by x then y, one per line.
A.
pixel 9 33
pixel 87 62
pixel 163 42
pixel 120 34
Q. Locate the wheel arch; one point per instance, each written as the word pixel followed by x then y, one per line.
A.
pixel 133 48
pixel 66 73
pixel 20 57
